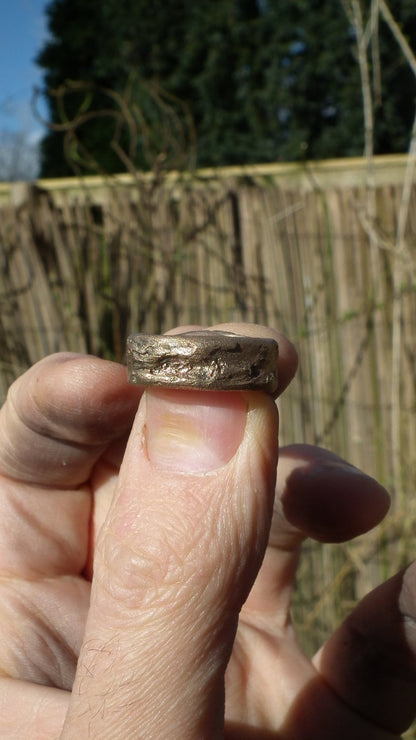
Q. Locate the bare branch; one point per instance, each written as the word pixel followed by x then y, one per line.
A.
pixel 398 35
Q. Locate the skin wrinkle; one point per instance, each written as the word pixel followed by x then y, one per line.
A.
pixel 43 721
pixel 73 379
pixel 137 686
pixel 53 538
pixel 250 644
pixel 153 588
pixel 64 463
pixel 36 634
pixel 42 424
pixel 62 548
pixel 177 581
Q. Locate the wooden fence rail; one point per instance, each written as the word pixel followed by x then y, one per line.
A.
pixel 326 253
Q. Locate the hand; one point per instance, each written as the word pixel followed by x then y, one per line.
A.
pixel 152 548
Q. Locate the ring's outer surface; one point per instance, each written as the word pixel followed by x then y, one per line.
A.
pixel 203 360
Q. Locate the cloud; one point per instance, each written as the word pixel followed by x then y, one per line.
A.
pixel 19 156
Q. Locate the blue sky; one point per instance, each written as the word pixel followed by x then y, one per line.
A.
pixel 23 32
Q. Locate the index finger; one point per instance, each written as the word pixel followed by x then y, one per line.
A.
pixel 61 415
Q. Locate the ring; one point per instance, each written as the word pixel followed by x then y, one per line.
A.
pixel 203 360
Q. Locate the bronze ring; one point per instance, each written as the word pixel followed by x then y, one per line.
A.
pixel 203 360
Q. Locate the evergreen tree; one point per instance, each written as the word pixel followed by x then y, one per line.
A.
pixel 262 80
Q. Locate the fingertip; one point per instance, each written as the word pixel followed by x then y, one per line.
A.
pixel 61 414
pixel 78 396
pixel 330 500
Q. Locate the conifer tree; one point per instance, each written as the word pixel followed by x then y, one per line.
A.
pixel 257 80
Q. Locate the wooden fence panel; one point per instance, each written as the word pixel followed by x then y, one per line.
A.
pixel 317 262
pixel 318 259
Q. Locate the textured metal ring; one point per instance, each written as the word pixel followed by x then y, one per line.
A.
pixel 203 360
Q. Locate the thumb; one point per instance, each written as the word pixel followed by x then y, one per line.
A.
pixel 176 557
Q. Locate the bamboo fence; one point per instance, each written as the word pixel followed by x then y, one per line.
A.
pixel 313 251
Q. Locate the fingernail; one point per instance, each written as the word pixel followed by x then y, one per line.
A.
pixel 193 431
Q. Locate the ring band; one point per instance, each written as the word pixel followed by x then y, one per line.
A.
pixel 203 360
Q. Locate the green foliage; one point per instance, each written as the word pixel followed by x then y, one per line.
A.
pixel 261 81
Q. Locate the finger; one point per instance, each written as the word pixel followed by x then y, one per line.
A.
pixel 324 497
pixel 60 416
pixel 318 495
pixel 178 552
pixel 42 626
pixel 28 710
pixel 67 409
pixel 58 419
pixel 370 661
pixel 312 485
